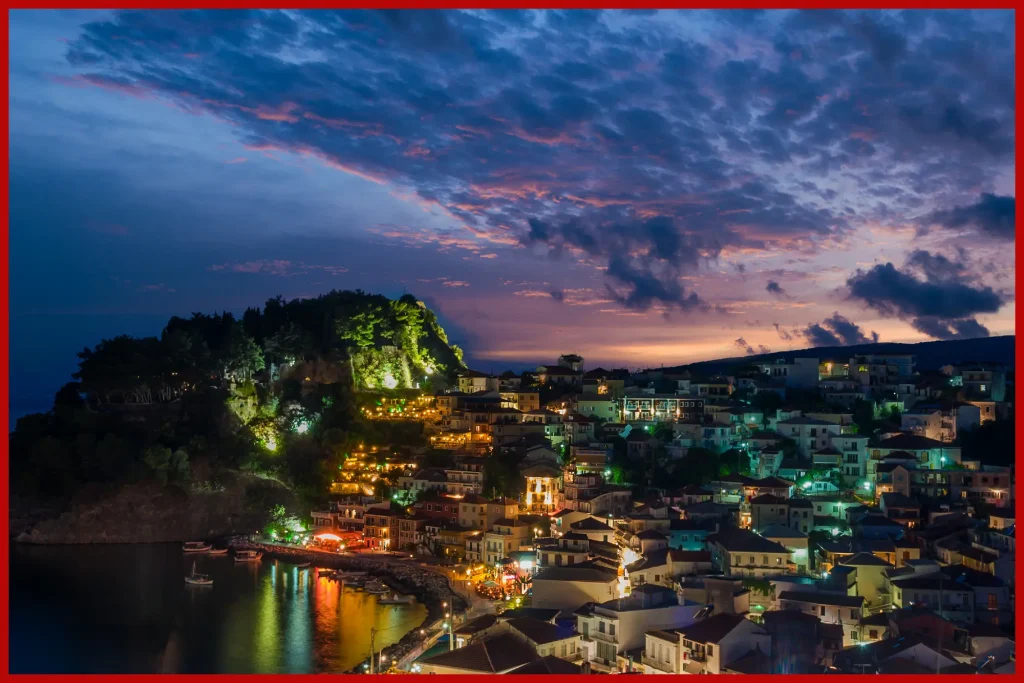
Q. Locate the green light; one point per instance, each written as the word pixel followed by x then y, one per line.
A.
pixel 302 426
pixel 271 444
pixel 806 485
pixel 867 486
pixel 607 473
pixel 835 531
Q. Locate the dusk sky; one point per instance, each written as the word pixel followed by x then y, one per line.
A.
pixel 638 187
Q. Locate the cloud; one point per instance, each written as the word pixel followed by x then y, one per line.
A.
pixel 993 215
pixel 455 283
pixel 776 289
pixel 161 287
pixel 742 344
pixel 633 145
pixel 938 306
pixel 934 267
pixel 837 331
pixel 280 268
pixel 761 348
pixel 783 334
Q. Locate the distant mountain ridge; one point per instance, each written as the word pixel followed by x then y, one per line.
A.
pixel 930 355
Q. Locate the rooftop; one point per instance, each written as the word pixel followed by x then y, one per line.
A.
pixel 823 598
pixel 548 665
pixel 539 631
pixel 745 541
pixel 712 629
pixel 583 573
pixel 493 655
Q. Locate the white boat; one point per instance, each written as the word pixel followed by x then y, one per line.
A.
pixel 195 579
pixel 217 551
pixel 397 599
pixel 196 547
pixel 248 555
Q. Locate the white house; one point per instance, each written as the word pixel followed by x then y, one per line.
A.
pixel 615 626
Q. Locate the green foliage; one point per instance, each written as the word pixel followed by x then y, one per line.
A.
pixel 199 397
pixel 243 401
pixel 663 431
pixel 165 465
pixel 242 358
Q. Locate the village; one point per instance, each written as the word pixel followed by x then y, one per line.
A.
pixel 797 516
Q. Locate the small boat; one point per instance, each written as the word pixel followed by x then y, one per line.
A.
pixel 397 599
pixel 326 573
pixel 195 579
pixel 302 566
pixel 248 555
pixel 196 547
pixel 217 551
pixel 376 586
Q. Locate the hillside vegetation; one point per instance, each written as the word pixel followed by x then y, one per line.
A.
pixel 270 394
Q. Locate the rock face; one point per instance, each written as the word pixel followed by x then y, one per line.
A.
pixel 157 514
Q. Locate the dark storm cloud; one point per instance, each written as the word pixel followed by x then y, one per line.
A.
pixel 775 288
pixel 837 331
pixel 599 136
pixel 992 215
pixel 942 305
pixel 934 266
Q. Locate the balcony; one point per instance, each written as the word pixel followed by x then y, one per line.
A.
pixel 602 637
pixel 697 656
pixel 659 665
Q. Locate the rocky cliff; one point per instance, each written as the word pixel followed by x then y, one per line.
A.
pixel 149 513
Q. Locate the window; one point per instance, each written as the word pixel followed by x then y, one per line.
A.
pixel 853 614
pixel 992 603
pixel 611 629
pixel 600 627
pixel 873 634
pixel 853 635
pixel 711 650
pixel 822 610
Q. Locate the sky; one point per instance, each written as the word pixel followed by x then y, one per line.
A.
pixel 639 187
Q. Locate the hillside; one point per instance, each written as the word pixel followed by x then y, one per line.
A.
pixel 930 355
pixel 271 394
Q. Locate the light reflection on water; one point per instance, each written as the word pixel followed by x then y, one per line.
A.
pixel 107 609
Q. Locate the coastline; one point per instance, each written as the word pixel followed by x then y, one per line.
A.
pixel 430 588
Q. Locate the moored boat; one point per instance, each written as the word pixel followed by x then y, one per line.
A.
pixel 376 586
pixel 195 579
pixel 302 566
pixel 196 547
pixel 397 599
pixel 248 555
pixel 217 551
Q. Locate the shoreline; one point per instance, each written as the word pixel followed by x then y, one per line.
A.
pixel 430 588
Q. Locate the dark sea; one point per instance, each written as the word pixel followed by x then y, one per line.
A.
pixel 127 609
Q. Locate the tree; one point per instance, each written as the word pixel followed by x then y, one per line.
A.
pixel 158 460
pixel 242 358
pixel 286 345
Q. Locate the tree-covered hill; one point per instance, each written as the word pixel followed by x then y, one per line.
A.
pixel 270 393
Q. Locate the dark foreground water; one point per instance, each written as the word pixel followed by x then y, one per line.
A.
pixel 126 609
